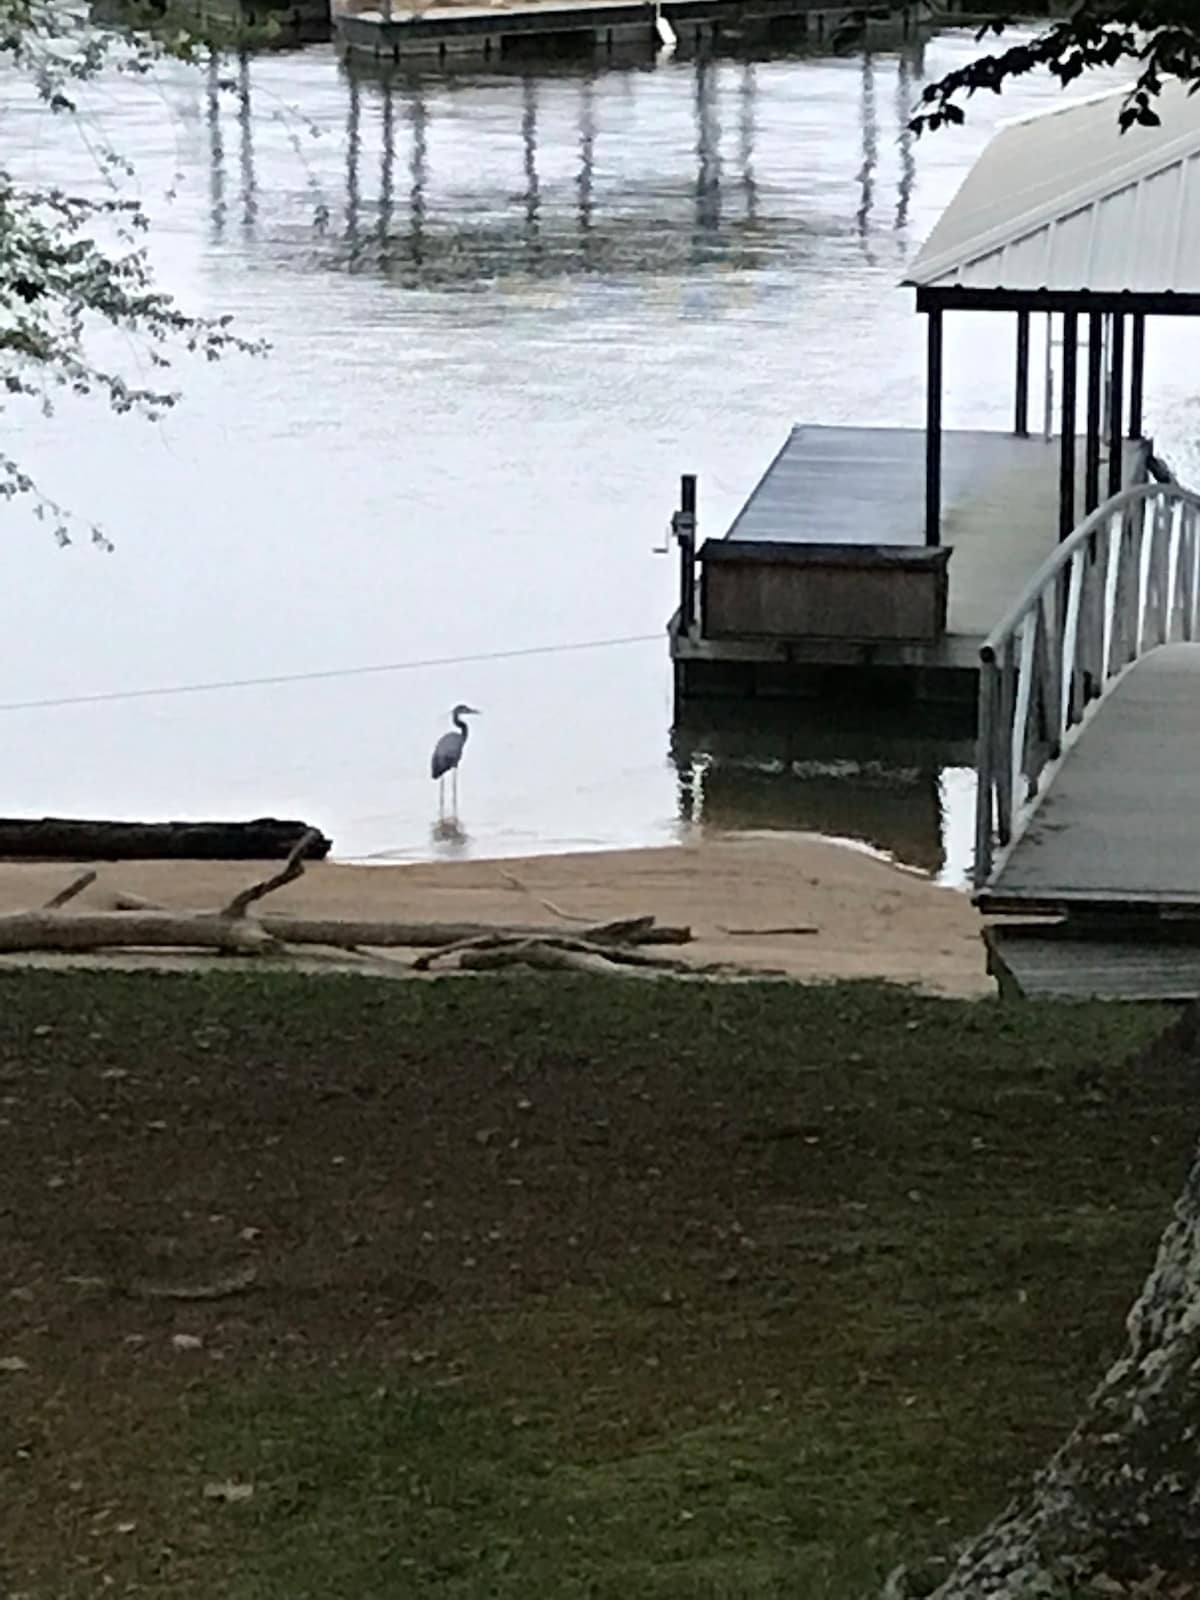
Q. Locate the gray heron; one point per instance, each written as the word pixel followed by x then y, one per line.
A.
pixel 448 752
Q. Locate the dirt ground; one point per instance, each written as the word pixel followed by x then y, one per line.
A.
pixel 741 896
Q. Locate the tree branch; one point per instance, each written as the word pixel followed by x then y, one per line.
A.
pixel 292 869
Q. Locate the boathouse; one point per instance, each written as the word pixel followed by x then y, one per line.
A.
pixel 878 559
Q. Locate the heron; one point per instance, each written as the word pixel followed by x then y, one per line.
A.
pixel 447 753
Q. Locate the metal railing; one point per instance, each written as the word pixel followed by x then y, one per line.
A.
pixel 1124 582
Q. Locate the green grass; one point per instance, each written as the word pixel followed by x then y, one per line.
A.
pixel 568 1288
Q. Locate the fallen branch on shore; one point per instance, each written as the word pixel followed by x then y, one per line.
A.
pixel 131 923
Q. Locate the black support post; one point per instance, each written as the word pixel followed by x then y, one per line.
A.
pixel 1116 404
pixel 933 430
pixel 1021 424
pixel 1137 375
pixel 684 528
pixel 1067 442
pixel 1095 386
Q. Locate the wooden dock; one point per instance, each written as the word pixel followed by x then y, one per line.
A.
pixel 858 495
pixel 1065 962
pixel 445 33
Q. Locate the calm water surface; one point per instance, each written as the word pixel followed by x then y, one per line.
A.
pixel 506 313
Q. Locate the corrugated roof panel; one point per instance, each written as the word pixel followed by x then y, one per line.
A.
pixel 1027 259
pixel 1158 229
pixel 1071 248
pixel 1021 264
pixel 1112 258
pixel 1090 197
pixel 1189 225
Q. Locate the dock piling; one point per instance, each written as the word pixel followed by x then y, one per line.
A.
pixel 683 526
pixel 1095 378
pixel 1067 438
pixel 1138 375
pixel 933 430
pixel 1116 404
pixel 1021 419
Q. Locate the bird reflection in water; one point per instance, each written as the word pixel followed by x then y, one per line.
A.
pixel 449 838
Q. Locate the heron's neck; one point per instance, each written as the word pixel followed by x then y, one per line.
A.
pixel 460 725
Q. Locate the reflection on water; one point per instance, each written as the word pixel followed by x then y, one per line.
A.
pixel 216 145
pixel 449 839
pixel 246 143
pixel 419 174
pixel 533 197
pixel 387 177
pixel 778 768
pixel 905 98
pixel 746 97
pixel 870 148
pixel 476 238
pixel 708 155
pixel 587 157
pixel 353 153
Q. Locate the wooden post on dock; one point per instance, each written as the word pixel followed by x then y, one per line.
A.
pixel 933 430
pixel 1095 384
pixel 683 525
pixel 1137 378
pixel 1068 441
pixel 1021 421
pixel 1116 401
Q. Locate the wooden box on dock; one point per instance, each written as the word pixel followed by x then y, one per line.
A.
pixel 755 589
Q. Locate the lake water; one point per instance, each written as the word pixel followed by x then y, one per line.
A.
pixel 506 312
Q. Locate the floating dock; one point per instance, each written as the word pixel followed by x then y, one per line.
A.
pixel 827 574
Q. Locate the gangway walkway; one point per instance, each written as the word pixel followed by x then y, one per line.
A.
pixel 1088 805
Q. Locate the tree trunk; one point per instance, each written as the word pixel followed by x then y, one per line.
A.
pixel 1120 1500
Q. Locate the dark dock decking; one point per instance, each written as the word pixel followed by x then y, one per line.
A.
pixel 839 487
pixel 1062 963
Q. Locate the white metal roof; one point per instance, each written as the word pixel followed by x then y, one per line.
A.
pixel 1064 201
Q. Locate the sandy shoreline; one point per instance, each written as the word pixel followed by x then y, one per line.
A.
pixel 873 920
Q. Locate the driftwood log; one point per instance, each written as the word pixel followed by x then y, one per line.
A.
pixel 55 929
pixel 76 839
pixel 132 923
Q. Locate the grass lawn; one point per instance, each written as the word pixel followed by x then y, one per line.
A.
pixel 563 1287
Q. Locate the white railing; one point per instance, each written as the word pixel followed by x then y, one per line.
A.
pixel 1124 582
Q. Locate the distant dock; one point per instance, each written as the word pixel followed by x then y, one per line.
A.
pixel 444 32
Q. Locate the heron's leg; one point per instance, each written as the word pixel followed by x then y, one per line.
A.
pixel 441 797
pixel 454 792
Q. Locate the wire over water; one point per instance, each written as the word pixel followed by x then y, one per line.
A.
pixel 108 696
